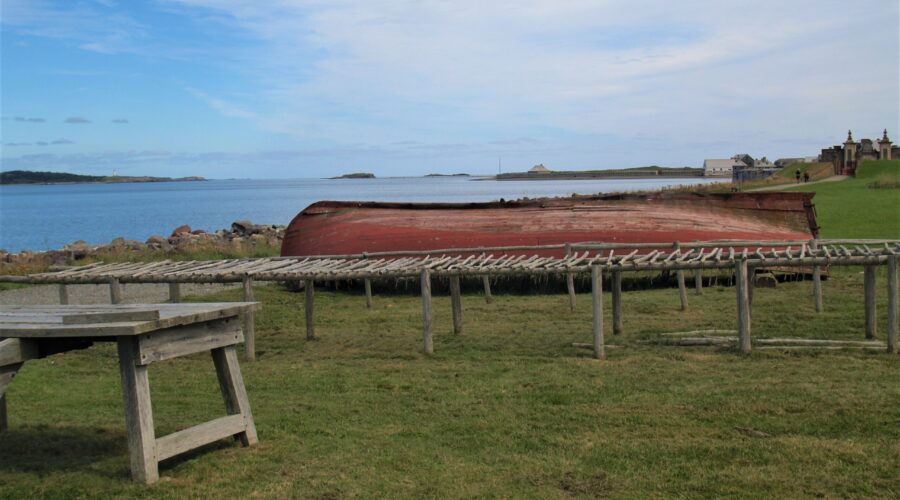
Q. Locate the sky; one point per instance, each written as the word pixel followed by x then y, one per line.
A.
pixel 313 88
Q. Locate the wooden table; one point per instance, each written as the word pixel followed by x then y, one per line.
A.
pixel 145 334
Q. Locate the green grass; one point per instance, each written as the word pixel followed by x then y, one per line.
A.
pixel 509 408
pixel 853 209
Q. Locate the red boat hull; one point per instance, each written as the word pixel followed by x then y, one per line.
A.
pixel 334 227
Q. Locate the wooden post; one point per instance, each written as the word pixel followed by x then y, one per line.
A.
pixel 743 305
pixel 63 294
pixel 115 291
pixel 869 287
pixel 231 383
pixel 456 304
pixel 617 302
pixel 892 304
pixel 682 289
pixel 249 334
pixel 570 281
pixel 817 280
pixel 138 413
pixel 698 281
pixel 751 282
pixel 597 308
pixel 309 289
pixel 426 311
pixel 368 284
pixel 174 293
pixel 486 280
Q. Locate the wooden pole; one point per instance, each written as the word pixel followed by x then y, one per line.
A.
pixel 892 304
pixel 426 311
pixel 682 289
pixel 63 294
pixel 456 304
pixel 174 293
pixel 570 281
pixel 617 302
pixel 115 291
pixel 309 290
pixel 368 284
pixel 597 308
pixel 743 305
pixel 486 280
pixel 817 280
pixel 869 287
pixel 698 281
pixel 751 282
pixel 249 334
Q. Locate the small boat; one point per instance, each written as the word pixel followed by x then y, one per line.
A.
pixel 348 227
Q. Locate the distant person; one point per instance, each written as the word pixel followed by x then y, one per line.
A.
pixel 805 176
pixel 797 175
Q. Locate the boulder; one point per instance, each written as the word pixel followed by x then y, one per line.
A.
pixel 156 240
pixel 243 227
pixel 183 229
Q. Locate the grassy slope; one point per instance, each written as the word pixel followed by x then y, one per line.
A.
pixel 850 209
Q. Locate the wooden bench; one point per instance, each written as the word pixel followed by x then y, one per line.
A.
pixel 144 334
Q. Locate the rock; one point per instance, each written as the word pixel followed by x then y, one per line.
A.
pixel 156 240
pixel 198 231
pixel 243 227
pixel 117 242
pixel 183 229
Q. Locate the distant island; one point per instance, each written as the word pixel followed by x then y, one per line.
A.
pixel 356 175
pixel 29 177
pixel 542 173
pixel 447 175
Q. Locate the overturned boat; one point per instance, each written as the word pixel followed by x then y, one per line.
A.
pixel 347 227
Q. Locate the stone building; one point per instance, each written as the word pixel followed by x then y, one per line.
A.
pixel 845 158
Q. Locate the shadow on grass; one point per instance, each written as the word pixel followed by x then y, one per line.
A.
pixel 43 449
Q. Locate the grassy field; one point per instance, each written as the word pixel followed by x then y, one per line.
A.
pixel 508 408
pixel 856 207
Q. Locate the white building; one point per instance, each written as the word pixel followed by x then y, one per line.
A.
pixel 721 168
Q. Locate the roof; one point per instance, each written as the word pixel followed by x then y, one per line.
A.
pixel 723 163
pixel 539 168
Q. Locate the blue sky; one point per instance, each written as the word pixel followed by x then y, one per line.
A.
pixel 305 88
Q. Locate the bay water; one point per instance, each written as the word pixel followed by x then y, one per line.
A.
pixel 48 216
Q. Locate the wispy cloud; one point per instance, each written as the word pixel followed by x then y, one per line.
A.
pixel 76 120
pixel 62 142
pixel 120 121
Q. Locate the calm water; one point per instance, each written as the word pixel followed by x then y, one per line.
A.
pixel 42 217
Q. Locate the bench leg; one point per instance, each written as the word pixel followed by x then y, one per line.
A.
pixel 233 391
pixel 138 413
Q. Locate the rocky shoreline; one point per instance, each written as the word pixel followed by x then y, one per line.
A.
pixel 242 237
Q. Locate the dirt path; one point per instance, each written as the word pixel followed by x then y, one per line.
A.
pixel 99 294
pixel 779 187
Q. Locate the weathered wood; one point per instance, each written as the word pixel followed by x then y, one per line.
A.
pixel 456 304
pixel 699 332
pixel 249 333
pixel 679 276
pixel 309 291
pixel 486 282
pixel 174 293
pixel 617 302
pixel 14 351
pixel 426 311
pixel 127 315
pixel 869 299
pixel 368 284
pixel 63 294
pixel 751 286
pixel 178 341
pixel 698 281
pixel 234 393
pixel 743 305
pixel 892 305
pixel 198 435
pixel 138 413
pixel 816 280
pixel 597 310
pixel 570 287
pixel 115 291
